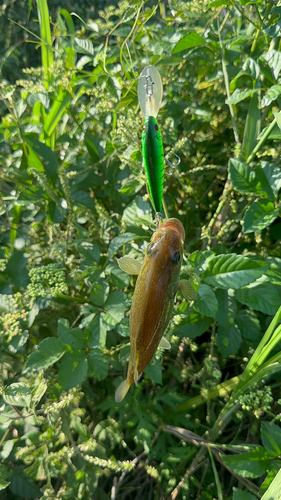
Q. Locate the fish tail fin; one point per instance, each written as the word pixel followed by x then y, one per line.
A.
pixel 122 390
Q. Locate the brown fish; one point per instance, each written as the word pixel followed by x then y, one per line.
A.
pixel 153 300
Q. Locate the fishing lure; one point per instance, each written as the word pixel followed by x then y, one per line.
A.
pixel 150 93
pixel 153 300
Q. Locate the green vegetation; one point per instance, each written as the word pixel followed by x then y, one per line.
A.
pixel 204 420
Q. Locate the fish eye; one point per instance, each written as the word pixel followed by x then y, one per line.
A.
pixel 176 257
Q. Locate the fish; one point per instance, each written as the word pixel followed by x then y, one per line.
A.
pixel 153 300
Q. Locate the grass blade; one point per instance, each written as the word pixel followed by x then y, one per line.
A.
pixel 46 47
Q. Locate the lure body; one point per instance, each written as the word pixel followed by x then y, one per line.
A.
pixel 150 91
pixel 153 159
pixel 153 300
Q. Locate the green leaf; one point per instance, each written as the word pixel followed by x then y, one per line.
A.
pixel 273 175
pixel 17 394
pixel 192 326
pixel 242 495
pixel 16 264
pixel 3 484
pixel 189 41
pixel 262 297
pixel 45 157
pixel 83 46
pixel 271 95
pixel 154 371
pixel 252 464
pixel 99 292
pixel 218 3
pixel 118 277
pixel 119 241
pixel 206 303
pixel 73 369
pixel 248 181
pixel 90 252
pixel 115 307
pixel 228 341
pixel 274 490
pixel 252 127
pixel 259 215
pixel 98 364
pixel 23 486
pixel 248 324
pixel 138 213
pixel 232 271
pixel 227 308
pixel 98 329
pixel 49 351
pixel 57 110
pixel 91 147
pixel 239 95
pixel 271 438
pixel 83 198
pixel 273 59
pixel 74 337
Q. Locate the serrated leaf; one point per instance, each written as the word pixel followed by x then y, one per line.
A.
pixel 271 438
pixel 99 292
pixel 252 464
pixel 228 341
pixel 83 46
pixel 206 303
pixel 273 175
pixel 271 95
pixel 90 252
pixel 83 198
pixel 242 177
pixel 98 364
pixel 192 326
pixel 49 351
pixel 248 324
pixel 227 308
pixel 188 41
pixel 262 297
pixel 73 369
pixel 259 215
pixel 154 371
pixel 233 271
pixel 17 394
pixel 273 58
pixel 74 337
pixel 98 329
pixel 119 241
pixel 239 95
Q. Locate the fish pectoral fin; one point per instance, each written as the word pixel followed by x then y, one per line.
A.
pixel 136 375
pixel 121 391
pixel 187 290
pixel 129 265
pixel 164 343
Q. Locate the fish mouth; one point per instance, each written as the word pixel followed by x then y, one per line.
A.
pixel 176 226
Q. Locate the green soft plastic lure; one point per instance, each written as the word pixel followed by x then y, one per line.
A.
pixel 150 92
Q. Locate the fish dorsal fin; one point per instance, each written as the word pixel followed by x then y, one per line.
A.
pixel 187 290
pixel 121 391
pixel 129 265
pixel 164 343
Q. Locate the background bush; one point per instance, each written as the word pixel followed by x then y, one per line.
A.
pixel 204 420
